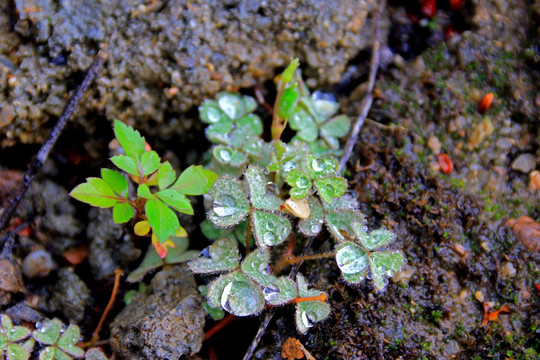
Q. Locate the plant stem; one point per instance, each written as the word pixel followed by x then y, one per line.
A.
pixel 220 325
pixel 297 259
pixel 322 298
pixel 277 128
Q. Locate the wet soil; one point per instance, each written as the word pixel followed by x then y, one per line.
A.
pixel 450 224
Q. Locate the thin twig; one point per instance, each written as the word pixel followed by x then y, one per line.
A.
pixel 38 161
pixel 368 99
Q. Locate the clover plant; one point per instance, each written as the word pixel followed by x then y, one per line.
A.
pixel 14 342
pixel 160 192
pixel 273 191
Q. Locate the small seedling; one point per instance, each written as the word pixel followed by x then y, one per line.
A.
pixel 11 340
pixel 61 343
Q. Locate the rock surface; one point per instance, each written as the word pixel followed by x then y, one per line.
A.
pixel 164 325
pixel 71 295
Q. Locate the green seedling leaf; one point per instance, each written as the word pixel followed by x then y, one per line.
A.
pixel 129 139
pixel 176 200
pixel 288 101
pixel 52 353
pixel 324 103
pixel 237 294
pixel 222 255
pixel 126 163
pixel 230 156
pixel 116 181
pixel 270 229
pixel 217 133
pixel 234 105
pixel 16 352
pixel 335 128
pixel 288 73
pixel 3 343
pixel 352 260
pixel 152 261
pixel 304 125
pixel 162 219
pixel 210 231
pixel 144 191
pixel 319 168
pixel 384 263
pixel 376 239
pixel 230 204
pixel 300 184
pixel 251 124
pixel 13 333
pixel 309 312
pixel 340 224
pixel 195 180
pixel 95 354
pixel 69 339
pixel 211 113
pixel 313 224
pixel 150 162
pixel 216 313
pixel 330 187
pixel 48 332
pixel 166 175
pixel 255 265
pixel 282 293
pixel 122 212
pixel 260 198
pixel 96 192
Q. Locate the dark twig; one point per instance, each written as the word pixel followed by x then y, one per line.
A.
pixel 271 312
pixel 368 99
pixel 38 161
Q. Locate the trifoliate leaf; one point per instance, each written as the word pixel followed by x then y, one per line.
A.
pixel 251 123
pixel 222 255
pixel 384 263
pixel 237 294
pixel 313 224
pixel 48 332
pixel 304 125
pixel 336 127
pixel 230 205
pixel 211 113
pixel 232 104
pixel 195 180
pixel 288 73
pixel 122 212
pixel 255 265
pixel 351 258
pixel 376 239
pixel 318 168
pixel 176 200
pixel 16 352
pixel 126 163
pixel 150 162
pixel 69 340
pixel 116 181
pixel 144 191
pixel 325 103
pixel 330 187
pixel 163 220
pixel 282 292
pixel 300 184
pixel 129 139
pixel 13 333
pixel 229 156
pixel 217 133
pixel 340 223
pixel 96 192
pixel 288 101
pixel 270 229
pixel 309 312
pixel 166 175
pixel 260 198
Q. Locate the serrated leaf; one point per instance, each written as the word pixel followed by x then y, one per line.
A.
pixel 49 332
pixel 96 192
pixel 309 312
pixel 304 125
pixel 256 266
pixel 270 229
pixel 116 181
pixel 355 278
pixel 282 293
pixel 257 182
pixel 230 205
pixel 16 352
pixel 144 191
pixel 166 175
pixel 351 258
pixel 163 220
pixel 129 139
pixel 384 263
pixel 340 223
pixel 126 163
pixel 195 180
pixel 68 340
pixel 6 323
pixel 376 239
pixel 330 187
pixel 237 294
pixel 313 224
pixel 150 162
pixel 222 255
pixel 300 184
pixel 176 200
pixel 122 212
pixel 251 124
pixel 211 113
pixel 318 168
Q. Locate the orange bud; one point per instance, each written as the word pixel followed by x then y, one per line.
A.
pixel 485 103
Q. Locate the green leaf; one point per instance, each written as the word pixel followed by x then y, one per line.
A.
pixel 195 180
pixel 324 103
pixel 336 127
pixel 150 162
pixel 163 220
pixel 255 265
pixel 210 231
pixel 144 191
pixel 232 104
pixel 384 263
pixel 122 212
pixel 288 73
pixel 309 312
pixel 304 125
pixel 260 198
pixel 217 133
pixel 14 333
pixel 129 139
pixel 376 239
pixel 288 101
pixel 176 200
pixel 16 352
pixel 166 175
pixel 230 205
pixel 125 163
pixel 331 187
pixel 116 181
pixel 318 168
pixel 251 123
pixel 96 192
pixel 351 258
pixel 300 184
pixel 3 342
pixel 340 223
pixel 313 224
pixel 211 113
pixel 216 313
pixel 237 294
pixel 222 255
pixel 282 293
pixel 270 229
pixel 95 354
pixel 279 149
pixel 49 332
pixel 230 156
pixel 69 339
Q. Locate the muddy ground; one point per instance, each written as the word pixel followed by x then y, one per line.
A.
pixel 435 70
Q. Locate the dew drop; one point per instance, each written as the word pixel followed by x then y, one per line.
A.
pixel 325 103
pixel 316 165
pixel 302 182
pixel 288 166
pixel 224 155
pixel 270 226
pixel 213 115
pixel 225 211
pixel 306 320
pixel 225 296
pixel 315 229
pixel 231 105
pixel 270 294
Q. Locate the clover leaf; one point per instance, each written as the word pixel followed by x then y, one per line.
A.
pixel 61 346
pixel 236 293
pixel 309 312
pixel 222 255
pixel 230 205
pixel 10 336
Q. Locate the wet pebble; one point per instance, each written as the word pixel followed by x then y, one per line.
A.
pixel 507 270
pixel 38 264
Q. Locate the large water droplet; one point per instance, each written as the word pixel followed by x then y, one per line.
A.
pixel 317 165
pixel 225 296
pixel 231 104
pixel 224 155
pixel 225 211
pixel 325 103
pixel 270 294
pixel 302 182
pixel 307 319
pixel 213 115
pixel 289 166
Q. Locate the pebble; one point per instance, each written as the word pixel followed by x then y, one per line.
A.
pixel 38 264
pixel 534 180
pixel 483 130
pixel 434 144
pixel 478 295
pixel 508 270
pixel 524 163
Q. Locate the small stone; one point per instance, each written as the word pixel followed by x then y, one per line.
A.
pixel 534 180
pixel 463 294
pixel 456 125
pixel 38 264
pixel 508 270
pixel 524 163
pixel 434 144
pixel 482 131
pixel 478 295
pixel 403 276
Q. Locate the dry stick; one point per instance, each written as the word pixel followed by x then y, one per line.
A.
pixel 38 161
pixel 368 99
